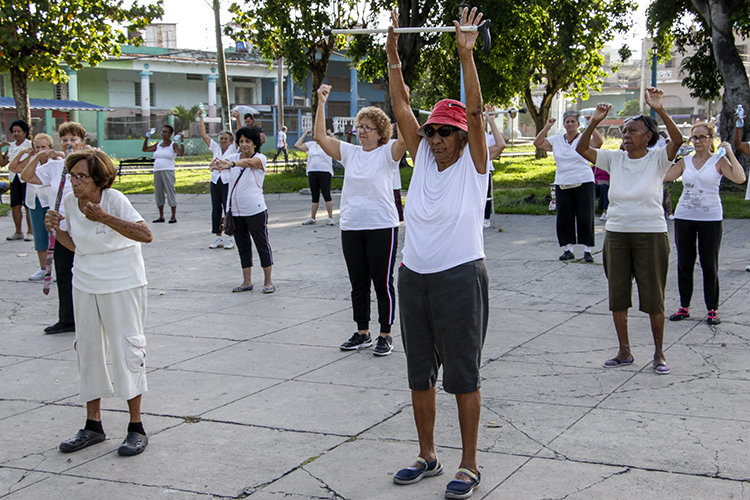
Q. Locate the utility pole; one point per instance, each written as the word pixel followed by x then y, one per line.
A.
pixel 223 82
pixel 280 76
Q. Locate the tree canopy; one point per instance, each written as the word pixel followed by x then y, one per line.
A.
pixel 293 29
pixel 39 39
pixel 705 31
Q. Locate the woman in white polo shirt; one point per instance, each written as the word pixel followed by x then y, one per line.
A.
pixel 369 220
pixel 636 244
pixel 247 170
pixel 319 172
pixel 574 186
pixel 699 215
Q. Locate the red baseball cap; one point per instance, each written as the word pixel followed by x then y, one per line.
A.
pixel 447 112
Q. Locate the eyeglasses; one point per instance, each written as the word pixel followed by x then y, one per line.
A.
pixel 79 177
pixel 365 128
pixel 443 131
pixel 699 138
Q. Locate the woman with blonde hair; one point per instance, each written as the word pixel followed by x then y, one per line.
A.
pixel 369 220
pixel 699 215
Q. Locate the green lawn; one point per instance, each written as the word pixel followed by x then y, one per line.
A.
pixel 521 185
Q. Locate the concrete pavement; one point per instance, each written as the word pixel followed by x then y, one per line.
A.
pixel 250 395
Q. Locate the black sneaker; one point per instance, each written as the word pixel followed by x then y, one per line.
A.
pixel 587 257
pixel 357 341
pixel 567 255
pixel 383 346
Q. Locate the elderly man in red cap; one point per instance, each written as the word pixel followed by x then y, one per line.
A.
pixel 442 281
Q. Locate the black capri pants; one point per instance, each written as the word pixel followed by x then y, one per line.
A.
pixel 575 215
pixel 17 192
pixel 708 234
pixel 319 182
pixel 255 226
pixel 219 192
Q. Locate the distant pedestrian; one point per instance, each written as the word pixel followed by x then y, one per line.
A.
pixel 165 153
pixel 574 185
pixel 319 173
pixel 281 145
pixel 699 217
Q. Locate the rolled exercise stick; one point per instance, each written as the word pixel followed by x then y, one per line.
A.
pixel 51 247
pixel 483 28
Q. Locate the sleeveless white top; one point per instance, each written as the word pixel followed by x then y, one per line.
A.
pixel 700 192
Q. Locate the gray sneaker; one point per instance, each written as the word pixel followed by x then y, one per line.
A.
pixel 384 346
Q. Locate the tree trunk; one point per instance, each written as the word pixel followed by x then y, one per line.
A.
pixel 718 14
pixel 541 114
pixel 21 94
pixel 318 69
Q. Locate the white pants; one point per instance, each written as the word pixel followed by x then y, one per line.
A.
pixel 111 322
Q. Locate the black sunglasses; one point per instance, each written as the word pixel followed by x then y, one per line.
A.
pixel 443 131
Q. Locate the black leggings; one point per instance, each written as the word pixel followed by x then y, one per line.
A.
pixel 319 181
pixel 63 260
pixel 370 255
pixel 219 193
pixel 708 234
pixel 575 215
pixel 255 226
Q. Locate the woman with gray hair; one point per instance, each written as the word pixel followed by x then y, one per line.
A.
pixel 574 185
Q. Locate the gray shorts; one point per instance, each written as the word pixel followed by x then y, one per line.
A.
pixel 164 185
pixel 444 322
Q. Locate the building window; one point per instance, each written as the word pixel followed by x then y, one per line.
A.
pixel 192 76
pixel 151 94
pixel 61 92
pixel 244 95
pixel 338 108
pixel 339 83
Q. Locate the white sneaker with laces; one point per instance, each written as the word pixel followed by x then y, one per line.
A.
pixel 38 275
pixel 218 242
pixel 330 222
pixel 229 244
pixel 603 217
pixel 309 222
pixel 29 237
pixel 486 224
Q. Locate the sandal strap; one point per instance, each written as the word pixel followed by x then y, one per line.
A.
pixel 422 461
pixel 468 473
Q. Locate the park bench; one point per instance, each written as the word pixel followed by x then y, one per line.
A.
pixel 134 166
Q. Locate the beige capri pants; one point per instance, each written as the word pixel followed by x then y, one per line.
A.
pixel 164 181
pixel 111 322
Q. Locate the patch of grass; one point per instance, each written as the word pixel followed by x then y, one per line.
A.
pixel 4 209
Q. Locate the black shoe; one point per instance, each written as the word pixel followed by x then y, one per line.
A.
pixel 156 221
pixel 60 328
pixel 83 439
pixel 567 255
pixel 134 443
pixel 357 341
pixel 587 257
pixel 384 346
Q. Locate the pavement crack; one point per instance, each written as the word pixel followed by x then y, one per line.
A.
pixel 333 493
pixel 595 483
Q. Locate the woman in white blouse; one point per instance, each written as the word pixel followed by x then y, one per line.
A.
pixel 109 295
pixel 219 182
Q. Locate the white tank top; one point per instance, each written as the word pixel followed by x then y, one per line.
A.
pixel 164 157
pixel 700 192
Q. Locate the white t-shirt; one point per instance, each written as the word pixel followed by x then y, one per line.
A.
pixel 216 151
pixel 247 196
pixel 50 174
pixel 635 190
pixel 280 139
pixel 317 159
pixel 105 261
pixel 34 191
pixel 490 140
pixel 367 194
pixel 700 198
pixel 164 157
pixel 572 168
pixel 397 179
pixel 13 151
pixel 444 213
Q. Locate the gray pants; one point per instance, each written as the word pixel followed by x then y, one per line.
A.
pixel 164 185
